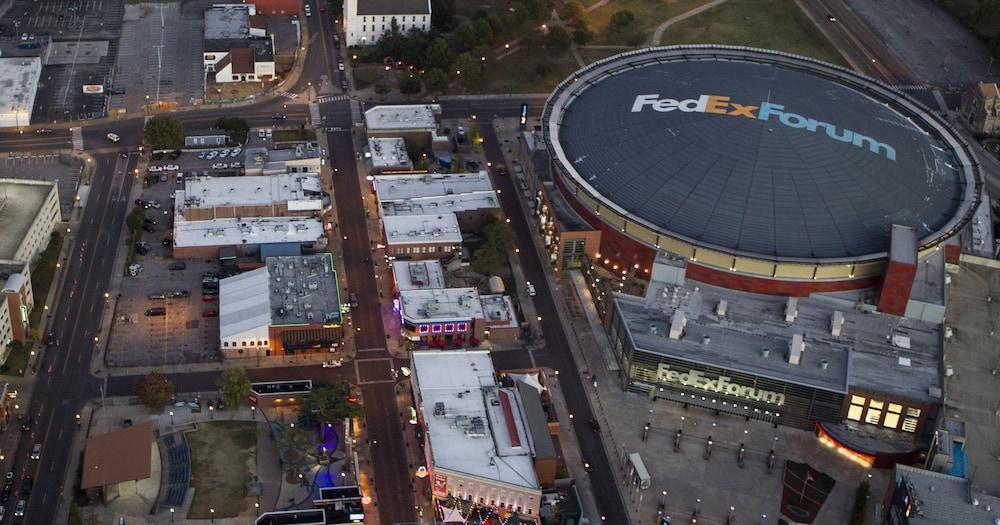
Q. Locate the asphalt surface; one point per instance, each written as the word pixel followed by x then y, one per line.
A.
pixel 557 353
pixel 64 383
pixel 858 43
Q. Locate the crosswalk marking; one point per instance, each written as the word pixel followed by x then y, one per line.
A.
pixel 331 98
pixel 78 138
pixel 291 96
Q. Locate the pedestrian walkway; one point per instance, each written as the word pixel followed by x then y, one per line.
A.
pixel 78 138
pixel 332 98
pixel 314 115
pixel 658 34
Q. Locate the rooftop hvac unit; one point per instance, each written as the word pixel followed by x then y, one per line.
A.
pixel 795 349
pixel 720 310
pixel 837 323
pixel 439 409
pixel 477 428
pixel 677 324
pixel 791 309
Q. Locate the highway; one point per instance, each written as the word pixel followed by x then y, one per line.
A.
pixel 858 43
pixel 63 382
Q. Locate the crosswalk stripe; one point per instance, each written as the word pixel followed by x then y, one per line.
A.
pixel 78 138
pixel 331 98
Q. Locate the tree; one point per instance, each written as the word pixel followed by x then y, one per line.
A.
pixel 381 89
pixel 498 233
pixel 330 402
pixel 487 260
pixel 415 48
pixel 575 13
pixel 442 12
pixel 582 36
pixel 466 34
pixel 164 132
pixel 621 22
pixel 469 71
pixel 235 126
pixel 155 391
pixel 75 518
pixel 436 81
pixel 410 85
pixel 484 32
pixel 558 39
pixel 234 385
pixel 438 55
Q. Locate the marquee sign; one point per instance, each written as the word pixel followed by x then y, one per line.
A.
pixel 719 385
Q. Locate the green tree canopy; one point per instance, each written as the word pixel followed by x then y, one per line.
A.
pixel 164 132
pixel 558 39
pixel 436 81
pixel 484 32
pixel 469 71
pixel 330 402
pixel 442 13
pixel 621 22
pixel 234 385
pixel 487 260
pixel 235 126
pixel 409 84
pixel 498 233
pixel 154 390
pixel 582 36
pixel 466 34
pixel 438 55
pixel 575 13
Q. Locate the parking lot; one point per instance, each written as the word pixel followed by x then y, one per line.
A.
pixel 63 169
pixel 195 162
pixel 161 56
pixel 85 29
pixel 184 334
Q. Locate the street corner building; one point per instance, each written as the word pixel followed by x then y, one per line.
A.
pixel 763 235
pixel 366 21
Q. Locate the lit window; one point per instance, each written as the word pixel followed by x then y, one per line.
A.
pixel 857 400
pixel 909 425
pixel 436 328
pixel 423 329
pixel 225 344
pixel 891 420
pixel 854 413
pixel 449 327
pixel 913 412
pixel 873 416
pixel 895 409
pixel 463 327
pixel 876 404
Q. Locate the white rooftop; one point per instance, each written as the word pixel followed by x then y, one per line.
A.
pixel 18 83
pixel 300 190
pixel 441 305
pixel 498 309
pixel 389 153
pixel 422 229
pixel 257 230
pixel 244 303
pixel 463 410
pixel 412 117
pixel 418 275
pixel 404 187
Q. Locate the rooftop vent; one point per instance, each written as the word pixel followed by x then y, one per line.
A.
pixel 720 310
pixel 653 329
pixel 837 323
pixel 791 309
pixel 765 352
pixel 439 409
pixel 795 349
pixel 677 324
pixel 824 364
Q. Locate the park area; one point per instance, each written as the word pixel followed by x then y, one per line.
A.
pixel 223 461
pixel 769 24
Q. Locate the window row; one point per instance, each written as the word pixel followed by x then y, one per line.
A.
pixel 443 328
pixel 424 249
pixel 889 415
pixel 413 18
pixel 225 344
pixel 493 503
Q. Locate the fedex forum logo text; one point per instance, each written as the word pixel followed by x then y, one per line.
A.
pixel 765 111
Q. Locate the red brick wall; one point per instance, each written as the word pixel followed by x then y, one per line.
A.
pixel 276 7
pixel 896 288
pixel 737 281
pixel 952 253
pixel 616 246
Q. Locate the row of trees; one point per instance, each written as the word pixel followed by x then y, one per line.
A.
pixel 329 401
pixel 167 131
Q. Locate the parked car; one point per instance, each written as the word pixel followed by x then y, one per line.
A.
pixel 179 265
pixel 210 312
pixel 157 295
pixel 260 133
pixel 142 248
pixel 235 152
pixel 113 137
pixel 353 300
pixel 202 154
pixel 179 293
pixel 171 167
pixel 156 312
pixel 224 153
pixel 340 66
pixel 19 508
pixel 531 288
pixel 43 131
pixel 154 169
pixel 333 363
pixel 154 204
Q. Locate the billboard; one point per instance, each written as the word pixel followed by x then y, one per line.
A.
pixel 93 89
pixel 440 485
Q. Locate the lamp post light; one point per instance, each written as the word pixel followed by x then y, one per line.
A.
pixel 253 411
pixel 171 514
pixel 171 417
pixel 212 512
pixel 256 508
pixel 211 412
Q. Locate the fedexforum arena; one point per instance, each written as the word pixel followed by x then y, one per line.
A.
pixel 767 172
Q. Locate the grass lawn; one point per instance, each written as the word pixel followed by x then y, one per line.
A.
pixel 519 73
pixel 770 24
pixel 648 15
pixel 593 55
pixel 222 461
pixel 367 76
pixel 17 361
pixel 41 277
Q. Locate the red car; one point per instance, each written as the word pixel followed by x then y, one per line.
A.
pixel 208 298
pixel 210 313
pixel 322 9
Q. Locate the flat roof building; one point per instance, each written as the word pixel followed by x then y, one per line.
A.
pixel 923 497
pixel 469 196
pixel 291 305
pixel 303 158
pixel 18 84
pixel 418 275
pixel 227 22
pixel 204 238
pixel 440 305
pixel 446 317
pixel 388 119
pixel 479 445
pixel 388 154
pixel 280 195
pixel 422 236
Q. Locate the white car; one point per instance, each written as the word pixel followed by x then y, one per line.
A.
pixel 212 155
pixel 308 11
pixel 224 153
pixel 334 363
pixel 340 66
pixel 171 167
pixel 531 288
pixel 154 169
pixel 154 204
pixel 236 165
pixel 219 166
pixel 235 152
pixel 113 137
pixel 203 154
